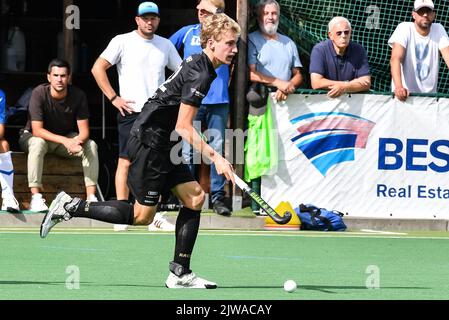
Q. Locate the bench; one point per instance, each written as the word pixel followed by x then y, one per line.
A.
pixel 58 174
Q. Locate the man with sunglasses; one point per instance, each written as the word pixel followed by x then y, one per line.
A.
pixel 415 52
pixel 214 109
pixel 339 64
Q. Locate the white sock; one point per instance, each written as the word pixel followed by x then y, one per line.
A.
pixel 6 173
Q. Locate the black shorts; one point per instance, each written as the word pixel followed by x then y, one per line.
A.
pixel 152 173
pixel 124 125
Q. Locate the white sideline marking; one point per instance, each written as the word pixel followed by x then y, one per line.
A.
pixel 252 233
pixel 382 232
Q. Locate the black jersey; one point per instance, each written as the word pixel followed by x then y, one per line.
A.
pixel 189 85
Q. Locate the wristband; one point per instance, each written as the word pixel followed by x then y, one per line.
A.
pixel 113 98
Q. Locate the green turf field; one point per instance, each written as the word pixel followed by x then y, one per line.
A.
pixel 246 265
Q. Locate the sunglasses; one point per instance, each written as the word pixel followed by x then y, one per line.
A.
pixel 423 11
pixel 346 32
pixel 205 12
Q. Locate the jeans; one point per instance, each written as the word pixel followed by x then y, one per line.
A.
pixel 215 117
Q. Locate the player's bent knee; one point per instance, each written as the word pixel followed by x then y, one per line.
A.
pixel 198 200
pixel 143 215
pixel 142 220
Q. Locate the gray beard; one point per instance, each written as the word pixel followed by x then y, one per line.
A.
pixel 271 31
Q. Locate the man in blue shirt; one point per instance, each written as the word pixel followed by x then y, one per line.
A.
pixel 9 202
pixel 214 107
pixel 273 58
pixel 339 64
pixel 273 61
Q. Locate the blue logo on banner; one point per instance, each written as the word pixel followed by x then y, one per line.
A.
pixel 329 138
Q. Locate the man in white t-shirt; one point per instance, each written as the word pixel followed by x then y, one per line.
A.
pixel 415 52
pixel 141 57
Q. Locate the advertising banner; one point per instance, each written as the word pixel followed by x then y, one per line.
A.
pixel 365 155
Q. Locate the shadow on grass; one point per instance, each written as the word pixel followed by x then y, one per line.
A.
pixel 320 288
pixel 82 283
pixel 23 282
pixel 325 289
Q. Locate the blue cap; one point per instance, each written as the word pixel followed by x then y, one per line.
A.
pixel 147 7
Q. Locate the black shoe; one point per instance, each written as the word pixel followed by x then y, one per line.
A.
pixel 221 209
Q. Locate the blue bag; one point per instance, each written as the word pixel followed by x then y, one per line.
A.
pixel 314 218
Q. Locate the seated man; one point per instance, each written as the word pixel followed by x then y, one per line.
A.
pixel 58 123
pixel 9 202
pixel 339 64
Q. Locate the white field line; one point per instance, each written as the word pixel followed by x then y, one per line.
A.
pixel 253 233
pixel 382 232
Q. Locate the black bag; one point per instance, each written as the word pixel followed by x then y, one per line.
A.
pixel 257 95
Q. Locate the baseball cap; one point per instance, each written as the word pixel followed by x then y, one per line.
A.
pixel 147 7
pixel 423 3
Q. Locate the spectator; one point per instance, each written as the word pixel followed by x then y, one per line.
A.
pixel 58 123
pixel 273 60
pixel 141 57
pixel 214 109
pixel 9 202
pixel 339 64
pixel 415 52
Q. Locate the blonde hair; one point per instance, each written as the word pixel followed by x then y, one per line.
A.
pixel 215 25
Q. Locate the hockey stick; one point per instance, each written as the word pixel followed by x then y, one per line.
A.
pixel 256 197
pixel 262 203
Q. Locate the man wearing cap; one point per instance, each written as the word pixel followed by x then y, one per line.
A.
pixel 141 57
pixel 415 52
pixel 214 109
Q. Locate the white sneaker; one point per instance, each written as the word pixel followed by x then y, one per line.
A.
pixel 10 204
pixel 188 281
pixel 120 227
pixel 37 203
pixel 160 223
pixel 56 214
